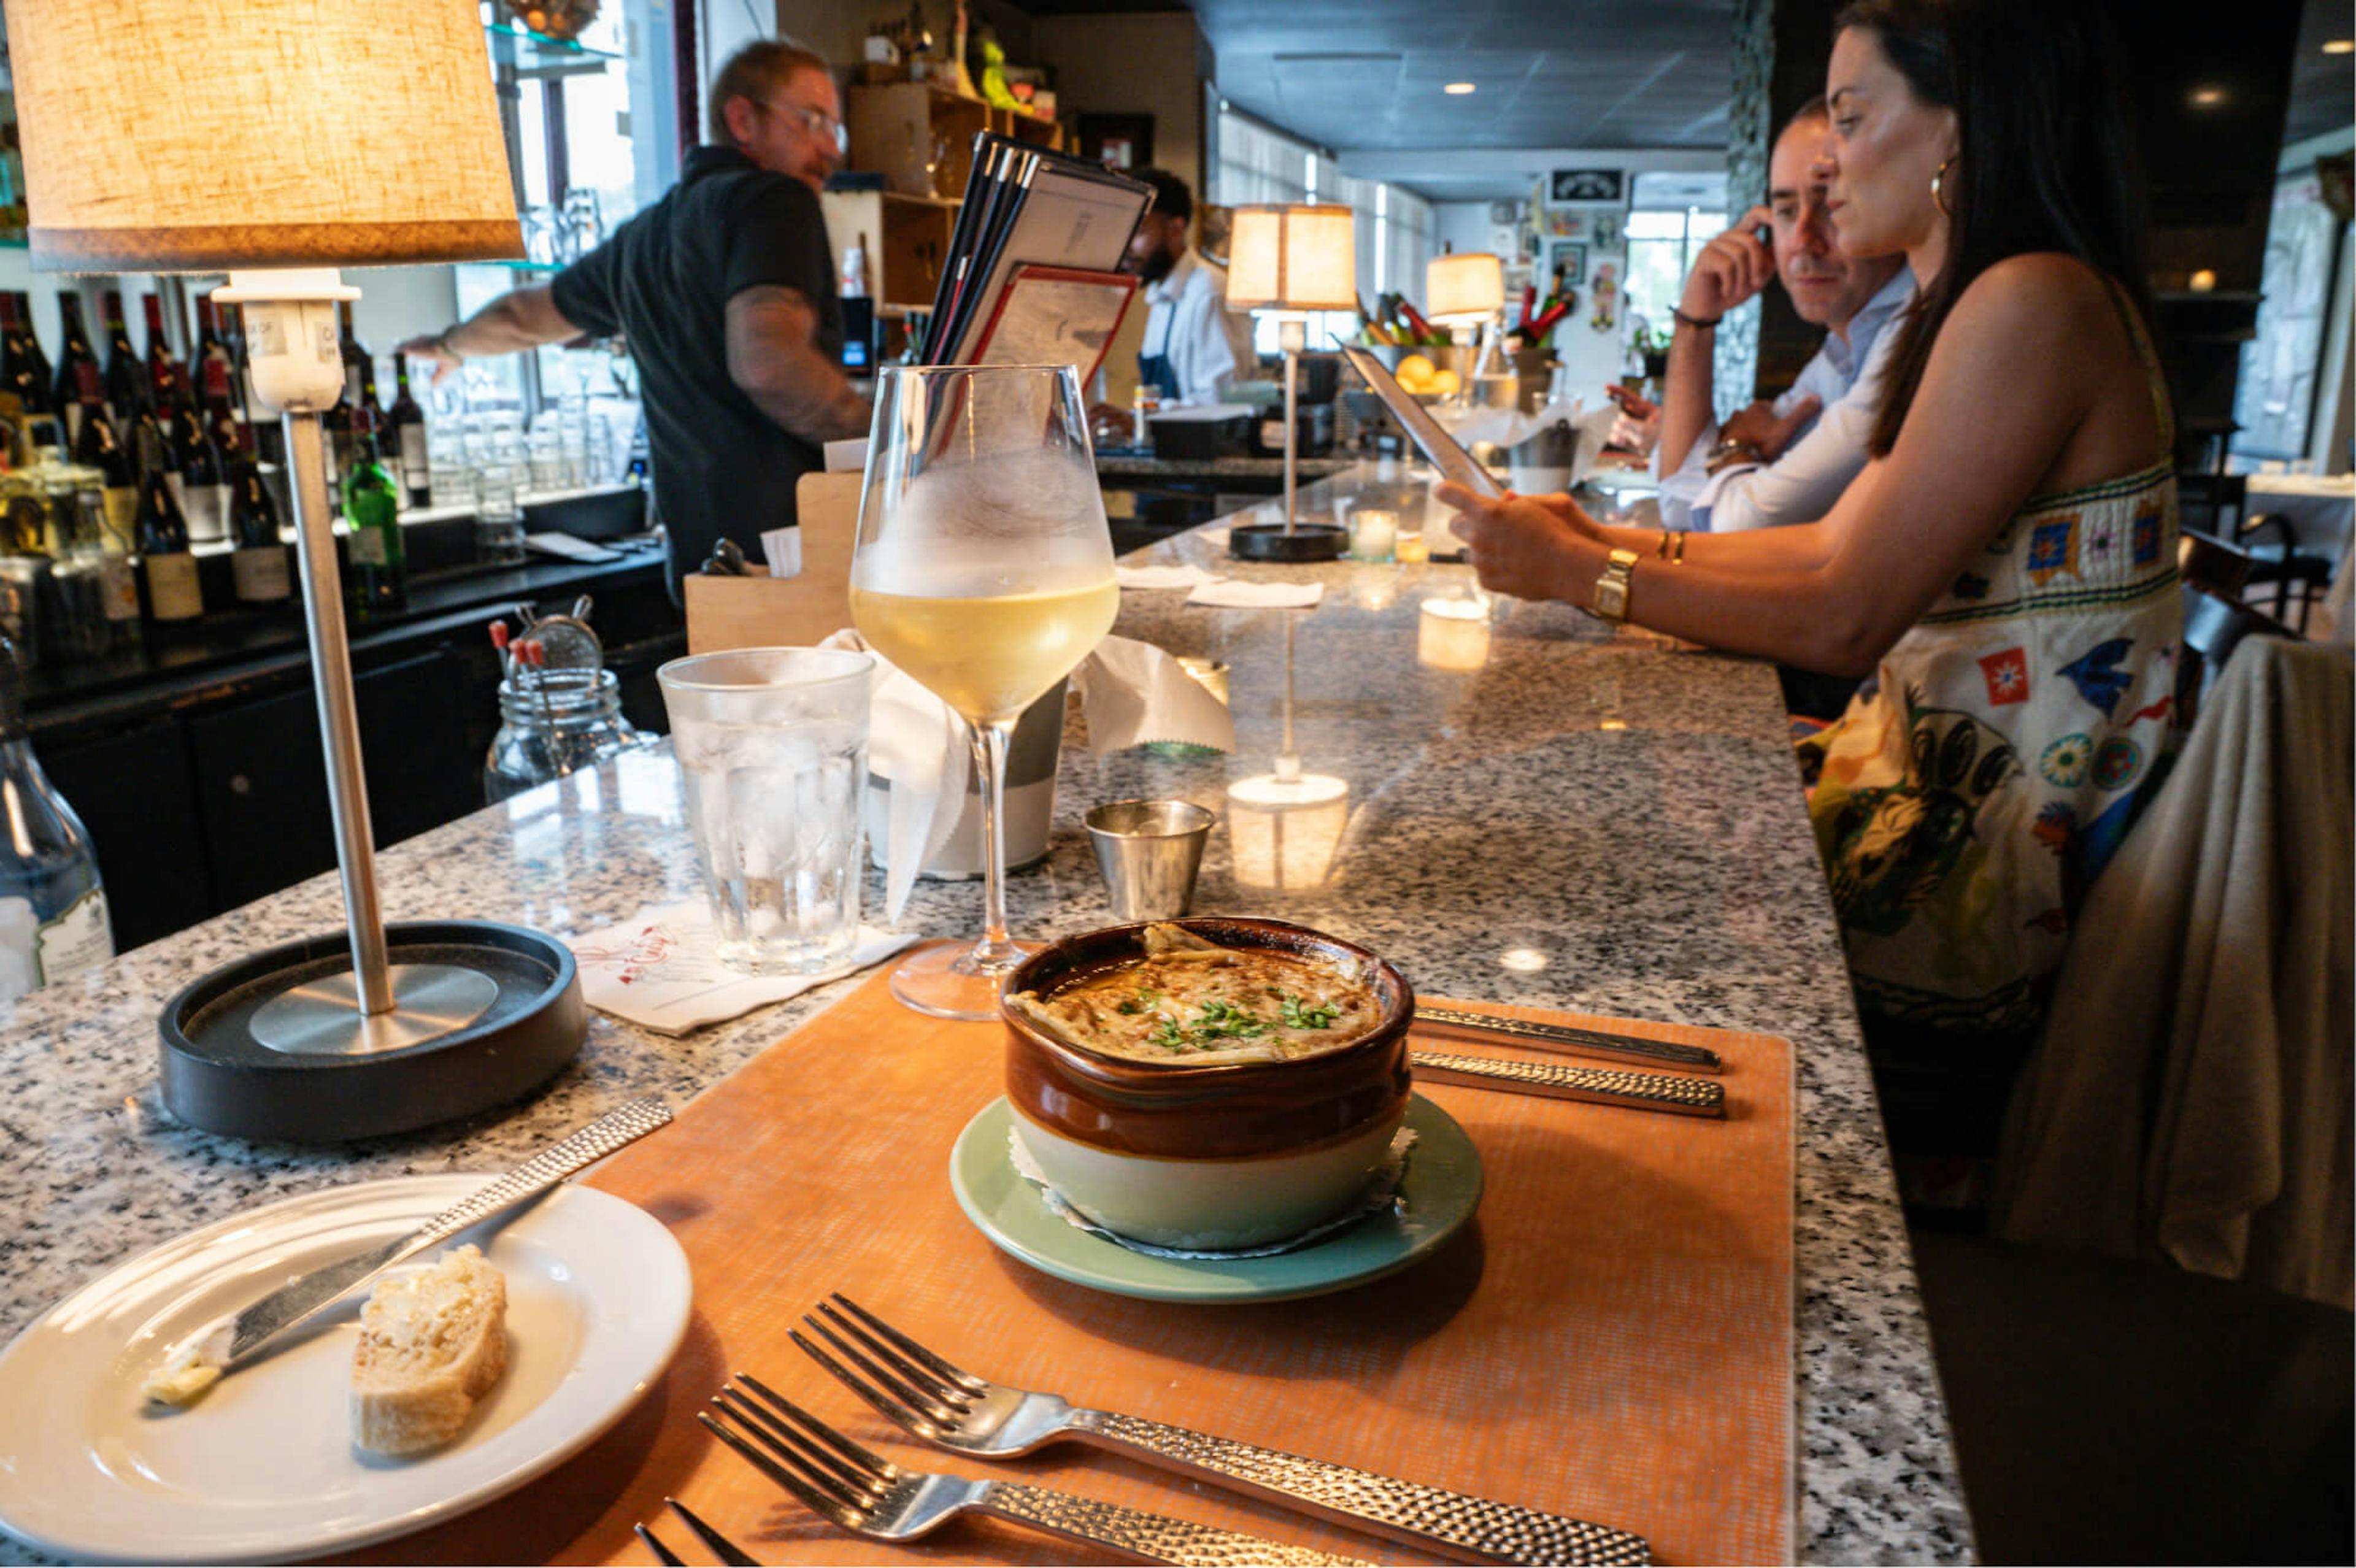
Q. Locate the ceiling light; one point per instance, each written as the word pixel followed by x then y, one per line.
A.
pixel 2340 46
pixel 1458 89
pixel 2208 97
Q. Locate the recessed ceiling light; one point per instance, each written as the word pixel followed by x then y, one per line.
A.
pixel 2340 46
pixel 2208 97
pixel 1458 89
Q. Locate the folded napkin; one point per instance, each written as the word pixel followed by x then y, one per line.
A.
pixel 658 969
pixel 1130 693
pixel 1134 694
pixel 1233 594
pixel 1162 576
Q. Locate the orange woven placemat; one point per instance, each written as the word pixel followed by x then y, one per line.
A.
pixel 1611 1339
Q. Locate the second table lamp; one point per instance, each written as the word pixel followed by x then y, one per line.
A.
pixel 1290 262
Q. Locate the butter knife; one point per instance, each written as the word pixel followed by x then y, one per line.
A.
pixel 1665 1092
pixel 1572 1038
pixel 243 1337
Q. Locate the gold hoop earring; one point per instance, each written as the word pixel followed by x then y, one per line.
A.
pixel 1938 195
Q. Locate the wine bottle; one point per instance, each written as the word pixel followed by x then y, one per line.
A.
pixel 174 598
pixel 53 920
pixel 259 562
pixel 380 578
pixel 37 362
pixel 99 447
pixel 199 482
pixel 124 391
pixel 407 422
pixel 20 377
pixel 78 384
pixel 216 378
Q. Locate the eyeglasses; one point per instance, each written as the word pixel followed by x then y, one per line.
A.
pixel 818 121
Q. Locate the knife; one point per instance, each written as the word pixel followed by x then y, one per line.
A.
pixel 1599 1085
pixel 240 1340
pixel 1571 1038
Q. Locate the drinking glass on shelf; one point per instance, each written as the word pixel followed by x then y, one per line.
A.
pixel 984 570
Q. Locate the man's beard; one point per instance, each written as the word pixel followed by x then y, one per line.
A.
pixel 1159 265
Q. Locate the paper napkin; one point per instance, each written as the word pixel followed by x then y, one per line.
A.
pixel 658 969
pixel 1133 693
pixel 1162 576
pixel 1233 594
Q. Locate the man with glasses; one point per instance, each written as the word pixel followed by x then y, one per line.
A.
pixel 724 291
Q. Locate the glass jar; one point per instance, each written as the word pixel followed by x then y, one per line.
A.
pixel 553 722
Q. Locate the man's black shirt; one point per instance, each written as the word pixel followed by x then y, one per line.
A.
pixel 663 282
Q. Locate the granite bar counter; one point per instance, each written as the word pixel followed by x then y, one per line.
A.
pixel 1577 818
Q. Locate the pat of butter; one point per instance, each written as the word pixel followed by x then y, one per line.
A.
pixel 183 1375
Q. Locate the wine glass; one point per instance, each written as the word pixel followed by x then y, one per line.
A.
pixel 984 570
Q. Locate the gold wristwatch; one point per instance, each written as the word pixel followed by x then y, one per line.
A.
pixel 1611 588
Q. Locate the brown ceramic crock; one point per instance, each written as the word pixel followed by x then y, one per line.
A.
pixel 1236 1111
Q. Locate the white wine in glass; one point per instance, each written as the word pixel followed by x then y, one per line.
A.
pixel 984 570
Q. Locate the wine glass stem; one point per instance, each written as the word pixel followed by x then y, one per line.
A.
pixel 989 740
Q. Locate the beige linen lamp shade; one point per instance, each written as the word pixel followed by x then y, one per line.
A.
pixel 1467 288
pixel 258 134
pixel 1296 258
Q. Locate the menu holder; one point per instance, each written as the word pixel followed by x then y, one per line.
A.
pixel 1056 316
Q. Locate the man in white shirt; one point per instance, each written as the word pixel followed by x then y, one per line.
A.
pixel 1195 348
pixel 1786 460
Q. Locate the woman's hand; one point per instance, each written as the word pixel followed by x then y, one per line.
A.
pixel 1520 545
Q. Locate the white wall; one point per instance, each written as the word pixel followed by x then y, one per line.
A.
pixel 1593 357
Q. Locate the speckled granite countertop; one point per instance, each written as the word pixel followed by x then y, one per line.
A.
pixel 1587 821
pixel 1115 466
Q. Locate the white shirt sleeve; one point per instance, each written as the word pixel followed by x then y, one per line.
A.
pixel 1201 355
pixel 1802 486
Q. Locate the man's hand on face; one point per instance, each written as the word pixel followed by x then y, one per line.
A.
pixel 1731 269
pixel 1760 427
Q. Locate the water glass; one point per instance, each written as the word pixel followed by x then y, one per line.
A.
pixel 772 749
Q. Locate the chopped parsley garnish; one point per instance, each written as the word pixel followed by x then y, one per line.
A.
pixel 1168 1036
pixel 1146 997
pixel 1224 1021
pixel 1296 1016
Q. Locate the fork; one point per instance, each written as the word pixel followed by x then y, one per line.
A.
pixel 867 1495
pixel 955 1410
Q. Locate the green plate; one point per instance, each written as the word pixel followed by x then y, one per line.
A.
pixel 1443 1189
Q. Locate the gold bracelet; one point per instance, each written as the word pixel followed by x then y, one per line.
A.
pixel 1678 559
pixel 1662 553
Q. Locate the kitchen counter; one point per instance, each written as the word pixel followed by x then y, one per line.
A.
pixel 1585 820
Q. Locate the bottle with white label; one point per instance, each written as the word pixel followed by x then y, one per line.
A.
pixel 258 565
pixel 53 918
pixel 175 597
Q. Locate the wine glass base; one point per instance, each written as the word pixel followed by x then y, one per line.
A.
pixel 942 979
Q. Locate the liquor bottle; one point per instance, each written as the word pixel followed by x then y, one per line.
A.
pixel 21 376
pixel 78 384
pixel 174 598
pixel 259 562
pixel 124 379
pixel 53 919
pixel 43 374
pixel 407 424
pixel 380 578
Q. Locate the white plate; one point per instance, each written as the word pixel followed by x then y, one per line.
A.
pixel 263 1466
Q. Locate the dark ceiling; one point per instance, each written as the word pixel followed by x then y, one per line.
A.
pixel 2322 86
pixel 1366 75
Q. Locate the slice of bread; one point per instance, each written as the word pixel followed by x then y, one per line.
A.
pixel 431 1345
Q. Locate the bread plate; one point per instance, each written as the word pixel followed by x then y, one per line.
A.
pixel 263 1468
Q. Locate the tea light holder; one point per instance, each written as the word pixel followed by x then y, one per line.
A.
pixel 1452 634
pixel 1374 536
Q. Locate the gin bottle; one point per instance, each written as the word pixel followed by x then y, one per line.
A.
pixel 52 908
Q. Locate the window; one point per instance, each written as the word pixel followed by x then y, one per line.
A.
pixel 1661 249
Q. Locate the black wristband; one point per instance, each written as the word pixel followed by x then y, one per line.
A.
pixel 1697 322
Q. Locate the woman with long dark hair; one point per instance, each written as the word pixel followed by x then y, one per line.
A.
pixel 2004 566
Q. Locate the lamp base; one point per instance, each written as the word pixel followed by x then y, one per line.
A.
pixel 230 1062
pixel 1272 541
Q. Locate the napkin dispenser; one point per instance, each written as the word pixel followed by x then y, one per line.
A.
pixel 1202 434
pixel 758 611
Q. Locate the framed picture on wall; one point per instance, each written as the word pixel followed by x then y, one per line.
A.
pixel 1564 223
pixel 1586 185
pixel 1567 263
pixel 1605 231
pixel 1117 141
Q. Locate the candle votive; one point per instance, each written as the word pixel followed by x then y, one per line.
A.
pixel 1453 634
pixel 1411 550
pixel 1373 534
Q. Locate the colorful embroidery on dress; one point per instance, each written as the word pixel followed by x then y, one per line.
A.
pixel 1892 846
pixel 2147 537
pixel 2097 676
pixel 2056 824
pixel 2053 549
pixel 2006 675
pixel 2116 762
pixel 2064 761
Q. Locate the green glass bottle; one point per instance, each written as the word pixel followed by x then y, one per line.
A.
pixel 379 580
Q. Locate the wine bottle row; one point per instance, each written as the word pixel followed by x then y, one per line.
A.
pixel 116 470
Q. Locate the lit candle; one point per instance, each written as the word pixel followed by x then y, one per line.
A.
pixel 1454 634
pixel 1374 536
pixel 2204 281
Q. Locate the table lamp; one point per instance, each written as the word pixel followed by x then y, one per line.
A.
pixel 1288 261
pixel 1285 826
pixel 1467 291
pixel 278 144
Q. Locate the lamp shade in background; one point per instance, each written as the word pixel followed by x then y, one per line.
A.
pixel 162 137
pixel 1467 288
pixel 1293 258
